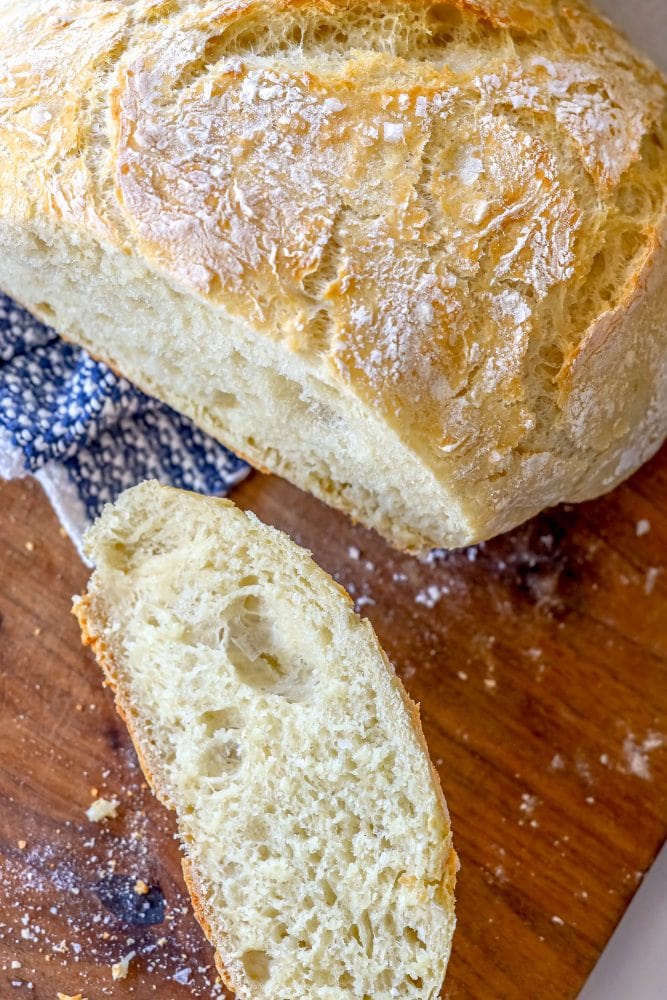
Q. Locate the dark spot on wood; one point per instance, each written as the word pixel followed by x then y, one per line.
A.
pixel 541 562
pixel 114 738
pixel 117 893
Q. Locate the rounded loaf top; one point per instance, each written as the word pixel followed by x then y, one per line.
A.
pixel 448 209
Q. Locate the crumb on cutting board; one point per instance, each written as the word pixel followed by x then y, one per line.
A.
pixel 101 809
pixel 120 969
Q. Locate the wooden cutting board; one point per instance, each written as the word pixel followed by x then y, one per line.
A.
pixel 539 660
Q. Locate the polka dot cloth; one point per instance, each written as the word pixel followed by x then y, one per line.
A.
pixel 69 417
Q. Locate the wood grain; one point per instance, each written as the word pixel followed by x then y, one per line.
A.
pixel 539 660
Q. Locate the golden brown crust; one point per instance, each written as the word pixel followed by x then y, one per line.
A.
pixel 525 15
pixel 627 340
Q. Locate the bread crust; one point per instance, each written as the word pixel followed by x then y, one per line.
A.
pixel 630 331
pixel 375 221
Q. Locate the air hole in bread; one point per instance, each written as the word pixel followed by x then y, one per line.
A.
pixel 118 556
pixel 284 388
pixel 223 400
pixel 223 718
pixel 45 311
pixel 328 894
pixel 259 653
pixel 279 932
pixel 362 932
pixel 412 937
pixel 447 20
pixel 631 243
pixel 220 759
pixel 633 199
pixel 257 965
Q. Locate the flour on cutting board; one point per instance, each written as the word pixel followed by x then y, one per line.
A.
pixel 111 910
pixel 636 754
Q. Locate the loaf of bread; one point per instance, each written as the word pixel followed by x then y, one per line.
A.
pixel 408 254
pixel 316 837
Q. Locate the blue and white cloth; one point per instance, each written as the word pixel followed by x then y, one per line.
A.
pixel 87 434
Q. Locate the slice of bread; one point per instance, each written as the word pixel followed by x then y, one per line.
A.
pixel 316 837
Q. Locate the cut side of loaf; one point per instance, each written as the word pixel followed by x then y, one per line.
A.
pixel 316 837
pixel 408 254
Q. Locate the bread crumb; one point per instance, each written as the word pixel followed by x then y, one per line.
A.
pixel 30 546
pixel 102 809
pixel 642 527
pixel 140 887
pixel 37 631
pixel 120 969
pixel 557 920
pixel 22 844
pixel 16 965
pixel 70 996
pixel 353 552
